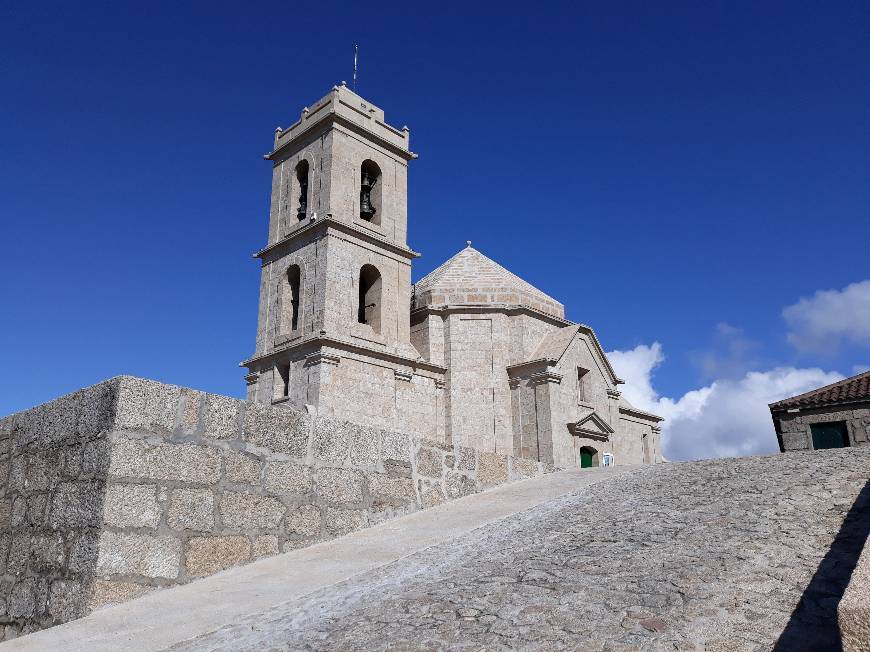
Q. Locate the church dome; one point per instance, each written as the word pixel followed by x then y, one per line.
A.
pixel 472 279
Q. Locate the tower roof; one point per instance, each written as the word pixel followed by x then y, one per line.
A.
pixel 470 278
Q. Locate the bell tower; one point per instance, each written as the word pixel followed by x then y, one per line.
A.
pixel 333 327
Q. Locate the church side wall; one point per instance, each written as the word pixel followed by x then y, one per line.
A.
pixel 503 356
pixel 628 441
pixel 420 406
pixel 528 332
pixel 132 485
pixel 427 336
pixel 469 364
pixel 478 349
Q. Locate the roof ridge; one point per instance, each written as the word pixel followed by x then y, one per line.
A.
pixel 444 264
pixel 513 276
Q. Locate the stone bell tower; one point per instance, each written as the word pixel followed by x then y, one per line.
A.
pixel 335 291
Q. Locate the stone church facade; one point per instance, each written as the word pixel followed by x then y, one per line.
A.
pixel 470 355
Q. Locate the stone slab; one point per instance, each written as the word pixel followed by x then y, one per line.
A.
pixel 742 554
pixel 205 605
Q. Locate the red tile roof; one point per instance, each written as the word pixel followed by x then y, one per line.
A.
pixel 856 388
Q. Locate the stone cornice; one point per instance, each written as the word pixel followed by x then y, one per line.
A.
pixel 649 416
pixel 337 108
pixel 516 368
pixel 328 118
pixel 588 330
pixel 341 344
pixel 328 221
pixel 509 309
pixel 320 357
pixel 545 377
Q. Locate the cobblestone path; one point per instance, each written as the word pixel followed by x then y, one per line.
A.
pixel 711 555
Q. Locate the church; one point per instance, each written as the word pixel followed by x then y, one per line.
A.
pixel 470 355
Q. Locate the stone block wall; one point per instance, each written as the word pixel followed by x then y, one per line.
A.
pixel 794 428
pixel 132 485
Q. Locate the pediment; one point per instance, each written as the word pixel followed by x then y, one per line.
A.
pixel 591 425
pixel 555 344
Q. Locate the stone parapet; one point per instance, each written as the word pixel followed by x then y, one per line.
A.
pixel 133 485
pixel 344 106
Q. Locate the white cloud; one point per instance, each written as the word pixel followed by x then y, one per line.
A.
pixel 636 367
pixel 726 418
pixel 821 322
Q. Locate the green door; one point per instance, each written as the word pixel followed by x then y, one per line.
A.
pixel 585 458
pixel 830 435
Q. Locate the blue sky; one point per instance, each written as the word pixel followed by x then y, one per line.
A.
pixel 677 175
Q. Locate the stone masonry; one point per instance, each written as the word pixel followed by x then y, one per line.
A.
pixel 470 355
pixel 729 555
pixel 833 416
pixel 132 485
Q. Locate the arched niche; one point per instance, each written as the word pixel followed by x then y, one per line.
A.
pixel 369 304
pixel 370 195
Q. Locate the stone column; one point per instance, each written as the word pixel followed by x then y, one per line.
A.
pixel 541 382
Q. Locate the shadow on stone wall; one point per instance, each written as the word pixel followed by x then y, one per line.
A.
pixel 54 461
pixel 813 625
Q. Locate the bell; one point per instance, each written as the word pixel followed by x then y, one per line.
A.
pixel 366 210
pixel 303 199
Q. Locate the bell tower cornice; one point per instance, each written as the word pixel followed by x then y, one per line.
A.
pixel 347 109
pixel 329 222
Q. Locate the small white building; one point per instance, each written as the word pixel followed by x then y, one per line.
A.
pixel 471 355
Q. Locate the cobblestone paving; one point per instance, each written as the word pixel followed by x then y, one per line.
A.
pixel 711 555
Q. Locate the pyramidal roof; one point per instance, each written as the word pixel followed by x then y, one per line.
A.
pixel 470 278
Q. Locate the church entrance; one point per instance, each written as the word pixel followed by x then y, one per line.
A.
pixel 587 457
pixel 830 435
